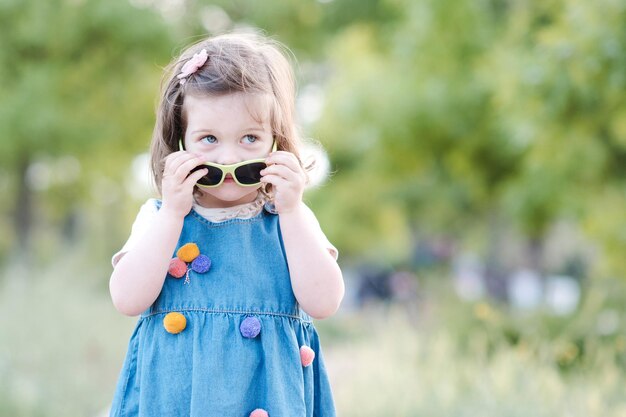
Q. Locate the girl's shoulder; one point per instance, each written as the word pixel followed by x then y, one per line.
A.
pixel 147 211
pixel 154 203
pixel 146 215
pixel 142 222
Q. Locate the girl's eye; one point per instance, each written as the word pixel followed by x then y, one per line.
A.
pixel 250 138
pixel 209 139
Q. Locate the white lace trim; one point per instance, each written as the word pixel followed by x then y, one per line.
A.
pixel 242 211
pixel 148 212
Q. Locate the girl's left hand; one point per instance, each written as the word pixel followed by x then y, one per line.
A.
pixel 287 177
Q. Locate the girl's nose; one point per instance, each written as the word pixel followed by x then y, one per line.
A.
pixel 227 156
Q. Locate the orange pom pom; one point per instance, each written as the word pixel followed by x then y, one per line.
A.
pixel 174 323
pixel 188 252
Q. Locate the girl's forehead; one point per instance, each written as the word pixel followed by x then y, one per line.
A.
pixel 259 106
pixel 255 105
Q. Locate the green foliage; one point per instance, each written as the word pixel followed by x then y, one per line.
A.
pixel 465 108
pixel 74 77
pixel 439 115
pixel 68 70
pixel 307 26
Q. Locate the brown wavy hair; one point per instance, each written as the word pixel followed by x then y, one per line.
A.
pixel 248 63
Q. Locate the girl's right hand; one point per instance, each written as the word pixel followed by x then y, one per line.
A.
pixel 177 184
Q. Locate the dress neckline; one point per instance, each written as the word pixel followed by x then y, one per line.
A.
pixel 240 211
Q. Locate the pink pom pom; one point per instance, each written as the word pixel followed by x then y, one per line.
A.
pixel 306 355
pixel 177 268
pixel 259 413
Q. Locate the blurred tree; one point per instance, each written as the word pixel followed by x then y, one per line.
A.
pixel 307 26
pixel 464 112
pixel 70 73
pixel 562 96
pixel 441 116
pixel 409 117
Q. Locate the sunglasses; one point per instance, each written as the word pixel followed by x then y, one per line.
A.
pixel 245 173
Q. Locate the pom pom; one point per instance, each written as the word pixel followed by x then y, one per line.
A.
pixel 250 327
pixel 177 268
pixel 201 264
pixel 188 252
pixel 259 412
pixel 174 323
pixel 306 355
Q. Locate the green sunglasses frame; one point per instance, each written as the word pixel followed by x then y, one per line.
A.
pixel 230 169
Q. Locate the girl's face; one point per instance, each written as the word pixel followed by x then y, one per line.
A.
pixel 227 129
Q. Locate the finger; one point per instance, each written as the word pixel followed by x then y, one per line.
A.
pixel 283 171
pixel 169 159
pixel 185 168
pixel 275 180
pixel 284 158
pixel 172 163
pixel 180 172
pixel 193 178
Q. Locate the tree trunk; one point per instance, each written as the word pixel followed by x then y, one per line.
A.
pixel 23 207
pixel 495 272
pixel 535 254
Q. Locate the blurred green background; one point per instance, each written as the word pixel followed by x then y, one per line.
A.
pixel 476 149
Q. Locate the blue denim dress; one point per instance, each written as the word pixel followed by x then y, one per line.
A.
pixel 240 350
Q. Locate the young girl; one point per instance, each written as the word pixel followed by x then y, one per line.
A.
pixel 228 268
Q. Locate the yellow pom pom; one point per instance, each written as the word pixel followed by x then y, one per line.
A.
pixel 174 323
pixel 188 252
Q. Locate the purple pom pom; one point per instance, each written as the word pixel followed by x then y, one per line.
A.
pixel 201 264
pixel 250 327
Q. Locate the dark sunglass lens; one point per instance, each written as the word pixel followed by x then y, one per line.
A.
pixel 213 177
pixel 250 173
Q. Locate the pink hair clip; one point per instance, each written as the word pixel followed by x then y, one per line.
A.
pixel 191 66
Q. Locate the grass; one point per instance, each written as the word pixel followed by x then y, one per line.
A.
pixel 62 345
pixel 403 371
pixel 62 342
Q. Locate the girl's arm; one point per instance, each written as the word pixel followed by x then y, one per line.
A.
pixel 316 278
pixel 138 277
